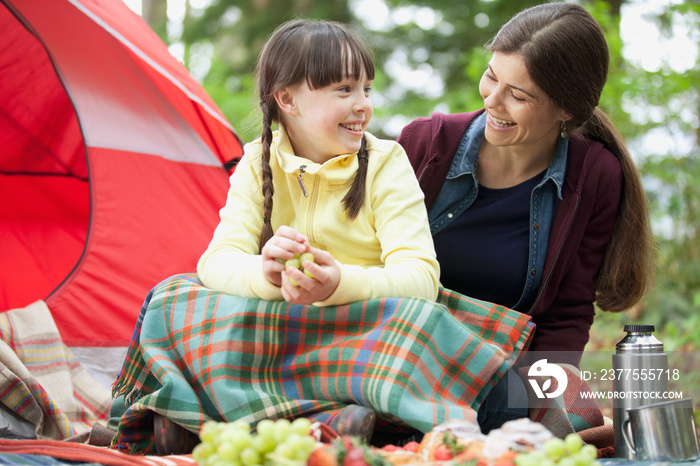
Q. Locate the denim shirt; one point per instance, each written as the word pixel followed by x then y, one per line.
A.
pixel 460 189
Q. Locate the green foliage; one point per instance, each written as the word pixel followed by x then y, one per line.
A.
pixel 662 102
pixel 445 39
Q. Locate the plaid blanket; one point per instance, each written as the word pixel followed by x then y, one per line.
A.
pixel 198 354
pixel 53 452
pixel 40 379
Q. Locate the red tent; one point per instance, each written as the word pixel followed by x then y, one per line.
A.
pixel 111 168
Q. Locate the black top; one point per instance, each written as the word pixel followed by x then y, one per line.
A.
pixel 499 223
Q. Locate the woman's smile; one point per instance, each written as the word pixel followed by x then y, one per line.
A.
pixel 498 123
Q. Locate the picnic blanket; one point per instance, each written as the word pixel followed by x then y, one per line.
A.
pixel 572 411
pixel 41 382
pixel 52 452
pixel 198 354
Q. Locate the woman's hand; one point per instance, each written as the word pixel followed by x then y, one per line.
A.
pixel 317 282
pixel 284 244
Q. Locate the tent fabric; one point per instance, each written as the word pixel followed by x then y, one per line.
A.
pixel 112 165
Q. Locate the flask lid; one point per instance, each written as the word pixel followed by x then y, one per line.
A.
pixel 639 338
pixel 639 328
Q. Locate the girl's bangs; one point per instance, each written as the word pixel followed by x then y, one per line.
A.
pixel 333 59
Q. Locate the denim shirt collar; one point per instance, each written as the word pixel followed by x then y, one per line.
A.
pixel 465 159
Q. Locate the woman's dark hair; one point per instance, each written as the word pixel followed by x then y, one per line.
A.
pixel 566 55
pixel 321 53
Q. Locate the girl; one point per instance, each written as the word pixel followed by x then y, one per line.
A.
pixel 358 332
pixel 322 184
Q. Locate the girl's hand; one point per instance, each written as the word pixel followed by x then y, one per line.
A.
pixel 316 283
pixel 284 244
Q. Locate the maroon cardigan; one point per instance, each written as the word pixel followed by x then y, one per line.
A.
pixel 582 227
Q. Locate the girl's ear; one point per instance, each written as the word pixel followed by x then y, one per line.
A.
pixel 285 100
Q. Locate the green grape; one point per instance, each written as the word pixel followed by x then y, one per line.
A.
pixel 307 256
pixel 213 459
pixel 589 452
pixel 241 425
pixel 262 445
pixel 266 428
pixel 250 457
pixel 294 263
pixel 581 459
pixel 225 463
pixel 209 431
pixel 555 449
pixel 573 443
pixel 308 443
pixel 567 461
pixel 240 439
pixel 202 451
pixel 525 459
pixel 274 442
pixel 285 451
pixel 282 429
pixel 301 425
pixel 293 438
pixel 228 452
pixel 300 454
pixel 531 458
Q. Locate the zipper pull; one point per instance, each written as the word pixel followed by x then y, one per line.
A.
pixel 301 182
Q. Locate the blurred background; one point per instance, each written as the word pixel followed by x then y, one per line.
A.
pixel 429 57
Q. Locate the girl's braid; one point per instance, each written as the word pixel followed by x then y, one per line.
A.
pixel 267 186
pixel 355 197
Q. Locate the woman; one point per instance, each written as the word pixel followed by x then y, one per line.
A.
pixel 534 201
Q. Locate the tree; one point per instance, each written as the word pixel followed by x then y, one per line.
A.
pixel 430 56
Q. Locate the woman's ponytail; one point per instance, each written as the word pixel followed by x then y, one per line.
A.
pixel 627 272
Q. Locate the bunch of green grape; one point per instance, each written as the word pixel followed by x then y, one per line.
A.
pixel 277 442
pixel 297 262
pixel 568 452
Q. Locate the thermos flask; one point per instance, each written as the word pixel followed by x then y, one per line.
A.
pixel 640 376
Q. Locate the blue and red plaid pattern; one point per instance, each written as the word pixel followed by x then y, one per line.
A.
pixel 198 354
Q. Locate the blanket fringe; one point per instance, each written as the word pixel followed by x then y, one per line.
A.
pixel 132 392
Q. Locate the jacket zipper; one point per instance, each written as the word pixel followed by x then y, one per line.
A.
pixel 301 182
pixel 311 213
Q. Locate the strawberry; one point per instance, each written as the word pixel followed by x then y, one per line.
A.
pixel 354 457
pixel 506 459
pixel 411 446
pixel 323 456
pixel 466 456
pixel 443 453
pixel 390 447
pixel 346 442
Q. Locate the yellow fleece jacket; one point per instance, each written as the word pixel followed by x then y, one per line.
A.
pixel 387 251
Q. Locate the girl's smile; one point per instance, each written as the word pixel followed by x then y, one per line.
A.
pixel 329 121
